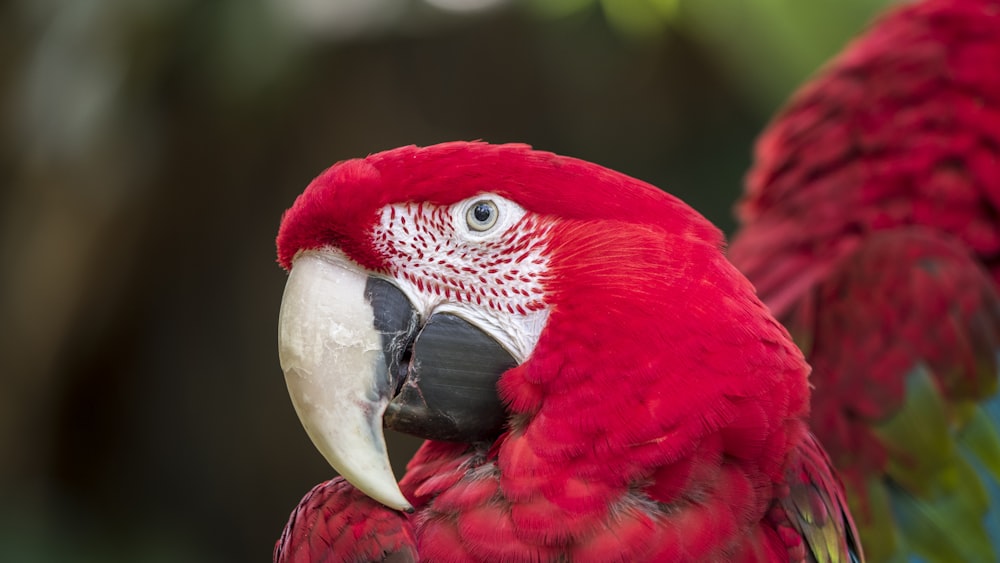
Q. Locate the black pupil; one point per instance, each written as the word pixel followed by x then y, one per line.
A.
pixel 482 212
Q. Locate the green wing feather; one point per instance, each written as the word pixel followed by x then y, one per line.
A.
pixel 817 508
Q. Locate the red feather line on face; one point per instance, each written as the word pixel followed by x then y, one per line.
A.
pixel 502 274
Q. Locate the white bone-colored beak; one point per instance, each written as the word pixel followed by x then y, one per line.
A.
pixel 334 367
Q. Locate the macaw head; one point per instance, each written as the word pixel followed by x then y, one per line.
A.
pixel 454 291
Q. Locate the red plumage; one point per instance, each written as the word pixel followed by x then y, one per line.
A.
pixel 336 523
pixel 659 417
pixel 902 128
pixel 870 227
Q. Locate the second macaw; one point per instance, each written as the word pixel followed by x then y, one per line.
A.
pixel 871 227
pixel 597 383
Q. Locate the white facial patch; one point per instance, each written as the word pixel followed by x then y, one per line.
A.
pixel 462 260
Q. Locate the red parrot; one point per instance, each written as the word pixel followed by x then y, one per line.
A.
pixel 871 228
pixel 596 381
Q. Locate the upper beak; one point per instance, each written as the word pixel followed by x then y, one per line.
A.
pixel 357 356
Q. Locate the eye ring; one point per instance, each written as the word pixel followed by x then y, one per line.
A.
pixel 482 215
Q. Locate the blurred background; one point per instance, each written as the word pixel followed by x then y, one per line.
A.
pixel 149 147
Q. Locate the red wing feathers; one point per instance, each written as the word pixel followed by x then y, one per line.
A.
pixel 336 523
pixel 903 338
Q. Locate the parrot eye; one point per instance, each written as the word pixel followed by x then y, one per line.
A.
pixel 485 216
pixel 482 215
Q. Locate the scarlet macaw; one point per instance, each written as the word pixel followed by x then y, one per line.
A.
pixel 871 227
pixel 595 380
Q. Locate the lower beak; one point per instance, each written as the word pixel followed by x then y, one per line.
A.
pixel 356 357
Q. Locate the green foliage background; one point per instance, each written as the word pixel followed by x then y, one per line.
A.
pixel 148 148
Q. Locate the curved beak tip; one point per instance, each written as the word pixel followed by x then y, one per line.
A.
pixel 330 352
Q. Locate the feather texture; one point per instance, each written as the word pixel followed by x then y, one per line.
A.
pixel 870 227
pixel 661 414
pixel 336 523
